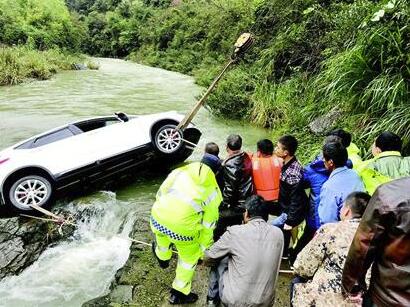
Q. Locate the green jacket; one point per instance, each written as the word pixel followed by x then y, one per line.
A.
pixel 383 168
pixel 187 203
pixel 354 155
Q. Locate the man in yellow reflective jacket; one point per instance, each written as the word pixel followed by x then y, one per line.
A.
pixel 387 164
pixel 353 152
pixel 184 214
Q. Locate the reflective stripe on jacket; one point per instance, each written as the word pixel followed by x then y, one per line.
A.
pixel 266 176
pixel 187 203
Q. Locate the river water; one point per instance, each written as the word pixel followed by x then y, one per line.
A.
pixel 82 267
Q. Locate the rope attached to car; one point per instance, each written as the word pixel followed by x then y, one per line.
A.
pixel 67 221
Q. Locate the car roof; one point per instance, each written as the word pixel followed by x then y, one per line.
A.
pixel 132 116
pixel 61 127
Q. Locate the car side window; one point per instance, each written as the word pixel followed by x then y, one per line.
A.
pixel 111 121
pixel 52 137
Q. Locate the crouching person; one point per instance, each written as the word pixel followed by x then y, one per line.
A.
pixel 185 213
pixel 248 258
pixel 320 263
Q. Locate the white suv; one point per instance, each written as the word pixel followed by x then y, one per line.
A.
pixel 87 152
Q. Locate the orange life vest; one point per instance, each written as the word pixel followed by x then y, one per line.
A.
pixel 266 176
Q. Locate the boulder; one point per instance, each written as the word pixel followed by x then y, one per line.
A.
pixel 324 123
pixel 79 66
pixel 22 241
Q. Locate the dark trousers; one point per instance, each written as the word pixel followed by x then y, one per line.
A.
pixel 279 222
pixel 307 236
pixel 367 300
pixel 224 222
pixel 216 286
pixel 273 208
pixel 297 280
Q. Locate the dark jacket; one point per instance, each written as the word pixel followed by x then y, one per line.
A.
pixel 314 176
pixel 292 197
pixel 383 238
pixel 237 181
pixel 216 166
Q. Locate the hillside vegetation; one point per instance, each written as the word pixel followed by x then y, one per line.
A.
pixel 37 38
pixel 346 58
pixel 311 57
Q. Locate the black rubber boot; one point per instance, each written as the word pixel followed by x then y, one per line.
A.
pixel 162 263
pixel 177 298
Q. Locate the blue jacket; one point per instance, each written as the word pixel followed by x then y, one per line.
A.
pixel 314 176
pixel 342 181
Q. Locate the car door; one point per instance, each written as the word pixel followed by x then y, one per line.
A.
pixel 59 151
pixel 116 138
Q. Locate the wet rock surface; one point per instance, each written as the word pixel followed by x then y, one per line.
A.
pixel 79 66
pixel 22 240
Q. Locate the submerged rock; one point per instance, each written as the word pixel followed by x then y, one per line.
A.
pixel 79 66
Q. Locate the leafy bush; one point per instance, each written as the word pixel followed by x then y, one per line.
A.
pixel 372 77
pixel 43 24
pixel 310 56
pixel 20 63
pixel 231 97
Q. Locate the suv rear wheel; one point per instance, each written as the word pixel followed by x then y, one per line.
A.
pixel 168 139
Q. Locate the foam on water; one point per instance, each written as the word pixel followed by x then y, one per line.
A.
pixel 80 268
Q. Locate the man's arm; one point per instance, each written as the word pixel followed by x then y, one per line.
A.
pixel 231 182
pixel 312 256
pixel 328 207
pixel 364 245
pixel 209 218
pixel 306 177
pixel 298 201
pixel 168 183
pixel 219 250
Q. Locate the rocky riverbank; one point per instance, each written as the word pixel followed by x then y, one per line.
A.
pixel 141 282
pixel 22 240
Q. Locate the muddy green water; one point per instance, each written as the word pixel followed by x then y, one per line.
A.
pixel 82 267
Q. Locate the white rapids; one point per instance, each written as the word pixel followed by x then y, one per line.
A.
pixel 81 268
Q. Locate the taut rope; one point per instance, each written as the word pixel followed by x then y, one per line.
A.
pixel 62 221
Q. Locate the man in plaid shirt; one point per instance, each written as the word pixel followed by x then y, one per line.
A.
pixel 293 201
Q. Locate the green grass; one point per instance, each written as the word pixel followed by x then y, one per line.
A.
pixel 20 63
pixel 309 57
pixel 92 65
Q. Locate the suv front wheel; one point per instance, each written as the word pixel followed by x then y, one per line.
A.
pixel 30 190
